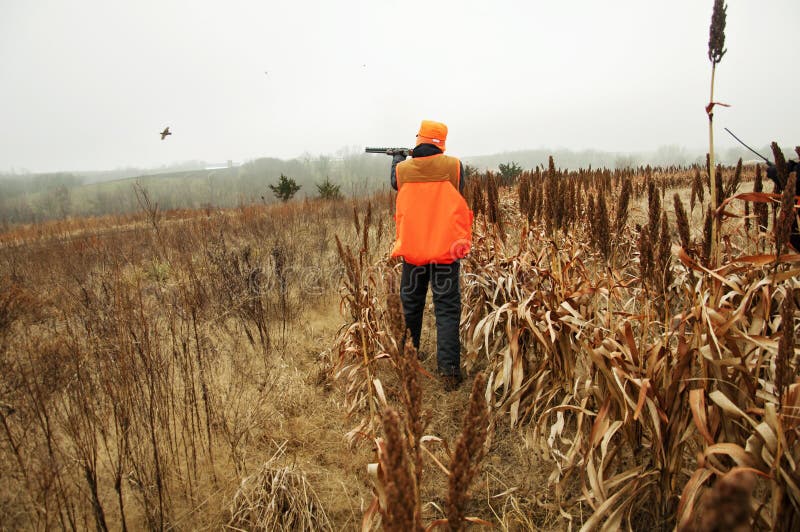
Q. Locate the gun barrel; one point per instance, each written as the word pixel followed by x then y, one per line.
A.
pixel 748 147
pixel 389 151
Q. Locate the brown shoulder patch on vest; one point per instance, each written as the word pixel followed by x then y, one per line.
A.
pixel 428 170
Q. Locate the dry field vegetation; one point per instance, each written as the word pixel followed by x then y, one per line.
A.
pixel 246 369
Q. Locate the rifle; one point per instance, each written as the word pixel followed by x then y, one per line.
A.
pixel 389 151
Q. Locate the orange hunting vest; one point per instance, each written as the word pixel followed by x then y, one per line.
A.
pixel 433 221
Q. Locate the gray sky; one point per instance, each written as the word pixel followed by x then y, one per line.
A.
pixel 88 84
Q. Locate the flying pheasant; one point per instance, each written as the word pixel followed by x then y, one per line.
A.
pixel 165 133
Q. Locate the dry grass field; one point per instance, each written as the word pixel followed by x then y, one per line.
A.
pixel 244 369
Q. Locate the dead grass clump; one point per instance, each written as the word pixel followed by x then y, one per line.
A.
pixel 238 281
pixel 277 497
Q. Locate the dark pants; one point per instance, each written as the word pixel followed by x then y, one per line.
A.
pixel 443 279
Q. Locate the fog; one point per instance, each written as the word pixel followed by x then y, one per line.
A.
pixel 87 85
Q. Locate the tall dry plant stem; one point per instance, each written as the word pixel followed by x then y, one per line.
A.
pixel 150 208
pixel 760 210
pixel 408 371
pixel 401 514
pixel 682 221
pixel 783 229
pixel 785 350
pixel 781 170
pixel 468 455
pixel 716 49
pixel 359 307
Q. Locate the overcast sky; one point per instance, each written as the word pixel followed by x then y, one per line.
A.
pixel 88 84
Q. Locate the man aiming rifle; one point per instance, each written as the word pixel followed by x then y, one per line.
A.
pixel 433 231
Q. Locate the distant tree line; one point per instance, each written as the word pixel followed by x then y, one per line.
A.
pixel 40 197
pixel 670 155
pixel 348 173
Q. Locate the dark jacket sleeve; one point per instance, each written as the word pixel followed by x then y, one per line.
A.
pixel 397 158
pixel 461 179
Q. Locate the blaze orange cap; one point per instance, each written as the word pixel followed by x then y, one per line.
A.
pixel 431 132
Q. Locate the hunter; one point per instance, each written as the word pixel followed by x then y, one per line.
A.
pixel 433 231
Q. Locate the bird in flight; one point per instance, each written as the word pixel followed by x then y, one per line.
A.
pixel 165 133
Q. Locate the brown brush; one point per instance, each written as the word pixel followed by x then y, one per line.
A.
pixel 664 255
pixel 368 223
pixel 780 164
pixel 653 212
pixel 523 193
pixel 603 235
pixel 622 205
pixel 682 222
pixel 395 320
pixel 732 186
pixel 408 371
pixel 356 220
pixel 477 203
pixel 468 454
pixel 591 221
pixel 646 264
pixel 535 200
pixel 707 235
pixel 760 209
pixel 783 360
pixel 401 513
pixel 716 40
pixel 726 508
pixel 492 199
pixel 551 198
pixel 747 221
pixel 570 205
pixel 697 190
pixel 783 229
pixel 411 398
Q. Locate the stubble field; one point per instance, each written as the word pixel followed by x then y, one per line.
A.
pixel 244 369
